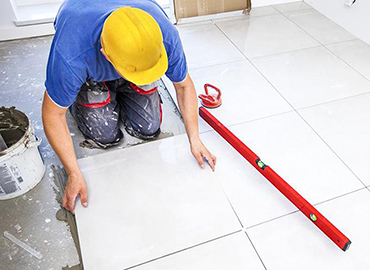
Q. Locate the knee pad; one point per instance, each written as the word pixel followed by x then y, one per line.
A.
pixel 97 114
pixel 141 114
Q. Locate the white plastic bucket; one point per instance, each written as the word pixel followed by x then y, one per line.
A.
pixel 21 165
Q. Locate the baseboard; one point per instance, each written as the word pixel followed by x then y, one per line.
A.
pixel 18 32
pixel 36 14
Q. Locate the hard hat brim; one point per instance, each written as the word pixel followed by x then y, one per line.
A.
pixel 147 76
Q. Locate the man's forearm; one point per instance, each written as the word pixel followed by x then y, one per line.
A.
pixel 188 103
pixel 57 132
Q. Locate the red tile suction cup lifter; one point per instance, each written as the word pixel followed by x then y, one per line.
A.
pixel 212 100
pixel 304 206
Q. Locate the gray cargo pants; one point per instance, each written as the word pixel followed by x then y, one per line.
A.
pixel 100 107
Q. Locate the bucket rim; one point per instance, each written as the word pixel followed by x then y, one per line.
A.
pixel 23 140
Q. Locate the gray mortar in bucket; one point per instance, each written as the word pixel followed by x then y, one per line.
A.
pixel 13 126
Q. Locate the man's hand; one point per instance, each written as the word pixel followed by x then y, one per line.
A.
pixel 188 103
pixel 76 186
pixel 200 152
pixel 58 134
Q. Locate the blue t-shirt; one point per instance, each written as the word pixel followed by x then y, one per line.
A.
pixel 75 52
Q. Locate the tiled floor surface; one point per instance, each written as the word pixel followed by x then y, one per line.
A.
pixel 296 89
pixel 300 98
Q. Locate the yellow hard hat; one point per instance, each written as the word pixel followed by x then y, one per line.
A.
pixel 133 43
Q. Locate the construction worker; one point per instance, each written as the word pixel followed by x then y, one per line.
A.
pixel 105 63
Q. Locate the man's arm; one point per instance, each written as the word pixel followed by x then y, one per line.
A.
pixel 57 132
pixel 188 103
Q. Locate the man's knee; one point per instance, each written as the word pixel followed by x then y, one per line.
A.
pixel 141 113
pixel 149 127
pixel 98 124
pixel 97 114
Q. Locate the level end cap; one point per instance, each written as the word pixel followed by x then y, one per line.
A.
pixel 347 245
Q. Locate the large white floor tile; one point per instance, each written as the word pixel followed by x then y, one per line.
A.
pixel 265 35
pixel 311 76
pixel 151 200
pixel 246 95
pixel 289 7
pixel 356 53
pixel 291 148
pixel 320 27
pixel 344 125
pixel 148 201
pixel 253 197
pixel 205 45
pixel 232 252
pixel 293 242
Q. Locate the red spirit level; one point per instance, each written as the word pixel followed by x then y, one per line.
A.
pixel 304 206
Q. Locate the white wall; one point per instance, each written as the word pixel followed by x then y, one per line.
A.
pixel 9 31
pixel 34 2
pixel 7 15
pixel 355 19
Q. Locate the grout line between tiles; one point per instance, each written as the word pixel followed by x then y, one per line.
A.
pixel 267 55
pixel 301 11
pixel 232 207
pixel 250 121
pixel 296 211
pixel 343 41
pixel 249 60
pixel 321 44
pixel 302 49
pixel 290 51
pixel 355 70
pixel 292 105
pixel 227 18
pixel 330 199
pixel 333 101
pixel 181 250
pixel 304 9
pixel 272 219
pixel 255 67
pixel 340 196
pixel 217 64
pixel 325 45
pixel 295 110
pixel 335 153
pixel 215 20
pixel 302 28
pixel 250 240
pixel 273 6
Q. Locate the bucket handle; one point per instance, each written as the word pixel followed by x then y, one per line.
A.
pixel 34 143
